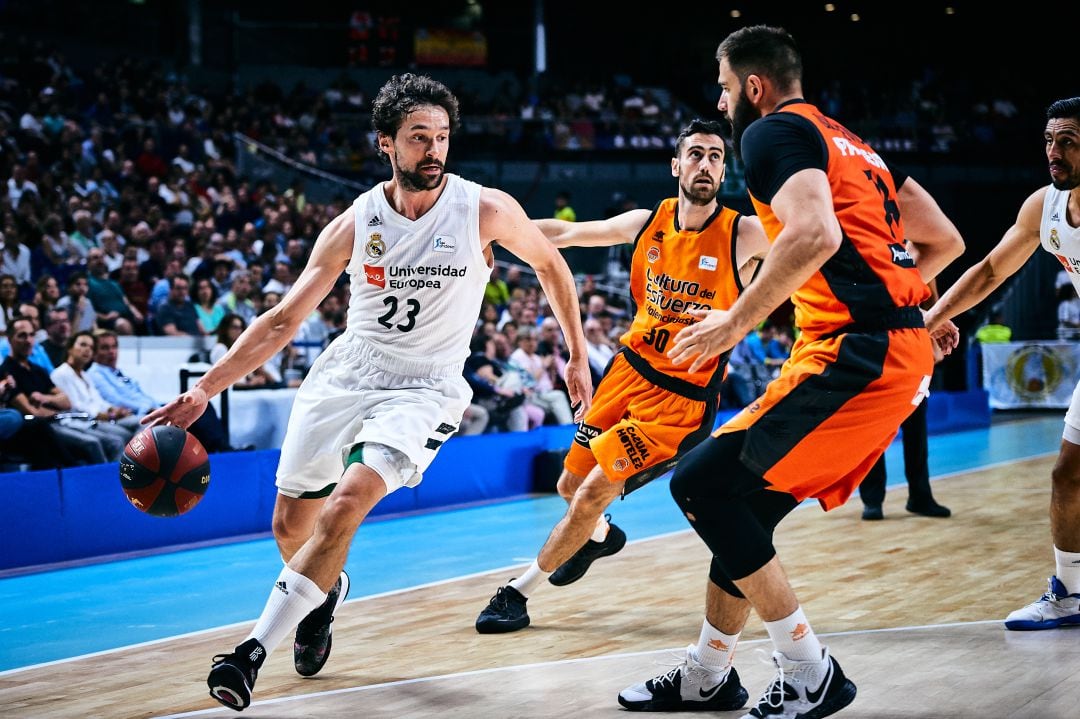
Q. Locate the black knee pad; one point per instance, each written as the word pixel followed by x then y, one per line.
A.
pixel 710 472
pixel 717 577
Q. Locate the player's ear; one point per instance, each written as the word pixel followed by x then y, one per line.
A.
pixel 754 89
pixel 674 167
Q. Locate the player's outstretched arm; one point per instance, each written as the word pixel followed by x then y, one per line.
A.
pixel 618 230
pixel 1017 245
pixel 503 220
pixel 272 330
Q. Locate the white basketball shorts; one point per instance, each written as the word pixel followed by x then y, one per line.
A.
pixel 358 393
pixel 1072 419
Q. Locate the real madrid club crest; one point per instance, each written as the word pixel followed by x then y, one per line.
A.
pixel 375 247
pixel 1055 241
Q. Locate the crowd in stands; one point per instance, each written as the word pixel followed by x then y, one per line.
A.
pixel 124 214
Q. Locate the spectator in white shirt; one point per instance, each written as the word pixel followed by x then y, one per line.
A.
pixel 73 381
pixel 15 259
pixel 18 185
pixel 600 348
pixel 554 402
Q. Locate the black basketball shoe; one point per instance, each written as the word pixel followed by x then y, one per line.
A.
pixel 314 634
pixel 232 676
pixel 574 568
pixel 805 689
pixel 504 613
pixel 687 687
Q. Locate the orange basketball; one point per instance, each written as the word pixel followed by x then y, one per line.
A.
pixel 164 471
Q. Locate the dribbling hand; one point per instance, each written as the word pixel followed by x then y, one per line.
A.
pixel 182 411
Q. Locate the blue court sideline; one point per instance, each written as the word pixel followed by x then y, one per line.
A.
pixel 70 612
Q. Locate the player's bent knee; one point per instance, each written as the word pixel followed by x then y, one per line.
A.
pixel 568 484
pixel 718 577
pixel 1066 477
pixel 394 468
pixel 596 492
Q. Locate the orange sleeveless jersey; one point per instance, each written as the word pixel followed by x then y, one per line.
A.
pixel 675 270
pixel 872 273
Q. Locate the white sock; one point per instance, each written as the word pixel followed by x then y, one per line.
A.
pixel 530 580
pixel 793 637
pixel 1068 569
pixel 715 649
pixel 600 533
pixel 292 598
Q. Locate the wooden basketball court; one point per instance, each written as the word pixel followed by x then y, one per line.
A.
pixel 910 606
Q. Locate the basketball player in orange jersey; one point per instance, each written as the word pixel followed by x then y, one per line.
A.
pixel 1049 217
pixel 860 366
pixel 690 253
pixel 384 396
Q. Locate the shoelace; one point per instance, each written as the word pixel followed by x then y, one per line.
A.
pixel 774 695
pixel 500 600
pixel 668 679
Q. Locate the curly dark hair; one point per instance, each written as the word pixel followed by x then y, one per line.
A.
pixel 404 93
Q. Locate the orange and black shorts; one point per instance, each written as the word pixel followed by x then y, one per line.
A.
pixel 636 430
pixel 837 404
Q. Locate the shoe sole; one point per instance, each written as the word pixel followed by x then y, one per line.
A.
pixel 225 695
pixel 496 627
pixel 652 705
pixel 832 704
pixel 345 584
pixel 1025 625
pixel 561 581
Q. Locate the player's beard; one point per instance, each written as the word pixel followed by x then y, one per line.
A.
pixel 1072 180
pixel 699 194
pixel 741 114
pixel 416 181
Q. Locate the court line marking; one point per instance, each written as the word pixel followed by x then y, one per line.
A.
pixel 538 665
pixel 428 585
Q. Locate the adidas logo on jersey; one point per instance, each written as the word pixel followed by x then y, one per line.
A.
pixel 281 585
pixel 374 221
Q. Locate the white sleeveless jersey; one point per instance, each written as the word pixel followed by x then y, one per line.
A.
pixel 417 285
pixel 1057 236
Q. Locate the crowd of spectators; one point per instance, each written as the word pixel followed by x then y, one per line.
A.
pixel 122 210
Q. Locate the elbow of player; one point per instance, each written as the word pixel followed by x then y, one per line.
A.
pixel 957 247
pixel 828 239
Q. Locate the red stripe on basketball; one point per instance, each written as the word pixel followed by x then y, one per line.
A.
pixel 142 449
pixel 185 500
pixel 192 455
pixel 144 497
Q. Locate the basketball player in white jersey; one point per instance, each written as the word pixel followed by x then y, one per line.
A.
pixel 1049 217
pixel 382 399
